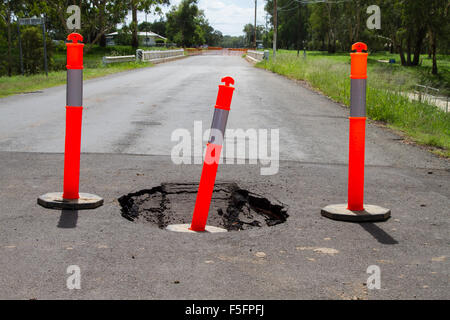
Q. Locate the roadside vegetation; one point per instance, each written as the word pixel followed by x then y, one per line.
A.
pixel 184 23
pixel 93 68
pixel 387 85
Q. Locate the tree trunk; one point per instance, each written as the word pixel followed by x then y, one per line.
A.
pixel 96 39
pixel 328 41
pixel 331 36
pixel 408 51
pixel 394 43
pixel 61 16
pixel 358 22
pixel 102 38
pixel 430 44
pixel 134 26
pixel 102 41
pixel 299 31
pixel 418 47
pixel 402 53
pixel 8 22
pixel 433 50
pixel 350 32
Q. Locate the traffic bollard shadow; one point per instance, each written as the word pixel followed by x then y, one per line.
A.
pixel 68 219
pixel 379 234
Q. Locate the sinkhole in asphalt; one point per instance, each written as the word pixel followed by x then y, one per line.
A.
pixel 232 208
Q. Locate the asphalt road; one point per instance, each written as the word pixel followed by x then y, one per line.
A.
pixel 128 122
pixel 136 112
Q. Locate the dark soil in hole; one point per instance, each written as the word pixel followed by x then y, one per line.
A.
pixel 232 208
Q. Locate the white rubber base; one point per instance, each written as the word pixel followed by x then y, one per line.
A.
pixel 370 213
pixel 55 200
pixel 185 228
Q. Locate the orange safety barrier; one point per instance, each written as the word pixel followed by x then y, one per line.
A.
pixel 70 198
pixel 359 61
pixel 213 150
pixel 357 134
pixel 355 210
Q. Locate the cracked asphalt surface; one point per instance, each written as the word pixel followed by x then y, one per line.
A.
pixel 128 122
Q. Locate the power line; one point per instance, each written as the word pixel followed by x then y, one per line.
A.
pixel 287 5
pixel 320 1
pixel 256 4
pixel 314 2
pixel 298 3
pixel 275 28
pixel 288 9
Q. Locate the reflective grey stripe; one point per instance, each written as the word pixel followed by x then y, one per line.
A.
pixel 218 126
pixel 74 87
pixel 358 98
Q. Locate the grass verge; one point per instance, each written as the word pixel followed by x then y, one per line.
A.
pixel 425 124
pixel 23 84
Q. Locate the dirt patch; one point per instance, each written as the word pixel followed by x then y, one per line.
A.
pixel 232 208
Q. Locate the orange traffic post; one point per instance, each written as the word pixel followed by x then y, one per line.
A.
pixel 357 133
pixel 70 198
pixel 355 210
pixel 211 163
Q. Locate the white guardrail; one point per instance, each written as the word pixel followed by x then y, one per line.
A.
pixel 431 96
pixel 257 56
pixel 158 56
pixel 108 60
pixel 155 56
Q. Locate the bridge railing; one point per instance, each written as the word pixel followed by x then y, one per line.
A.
pixel 256 56
pixel 115 59
pixel 156 56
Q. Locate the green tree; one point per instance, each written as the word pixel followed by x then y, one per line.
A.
pixel 102 17
pixel 414 17
pixel 249 34
pixel 391 25
pixel 184 24
pixel 292 22
pixel 232 42
pixel 158 26
pixel 8 9
pixel 33 49
pixel 352 22
pixel 318 21
pixel 212 37
pixel 97 17
pixel 124 36
pixel 142 5
pixel 438 26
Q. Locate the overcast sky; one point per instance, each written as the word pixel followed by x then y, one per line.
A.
pixel 227 16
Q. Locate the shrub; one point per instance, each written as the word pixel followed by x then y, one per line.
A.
pixel 33 50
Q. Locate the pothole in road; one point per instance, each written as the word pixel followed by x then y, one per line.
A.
pixel 232 208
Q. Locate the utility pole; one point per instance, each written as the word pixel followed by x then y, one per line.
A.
pixel 275 28
pixel 45 47
pixel 20 48
pixel 299 36
pixel 256 4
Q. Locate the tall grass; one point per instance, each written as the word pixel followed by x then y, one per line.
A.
pixel 386 101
